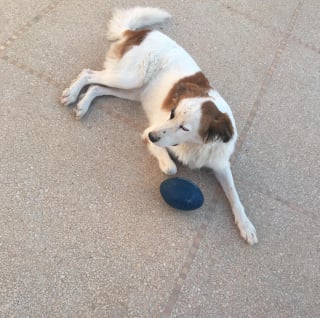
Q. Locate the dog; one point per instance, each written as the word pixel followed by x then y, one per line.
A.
pixel 188 119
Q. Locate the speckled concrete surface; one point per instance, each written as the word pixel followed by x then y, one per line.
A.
pixel 277 278
pixel 14 15
pixel 83 230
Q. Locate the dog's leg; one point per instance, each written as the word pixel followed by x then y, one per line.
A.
pixel 71 94
pixel 246 228
pixel 166 164
pixel 113 79
pixel 96 91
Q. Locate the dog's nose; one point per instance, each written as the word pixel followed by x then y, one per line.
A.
pixel 153 138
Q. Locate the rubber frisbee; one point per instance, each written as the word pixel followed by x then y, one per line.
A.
pixel 181 194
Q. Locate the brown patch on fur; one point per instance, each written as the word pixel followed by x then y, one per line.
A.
pixel 214 124
pixel 131 39
pixel 195 85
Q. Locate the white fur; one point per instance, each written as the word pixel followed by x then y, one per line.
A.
pixel 146 73
pixel 132 19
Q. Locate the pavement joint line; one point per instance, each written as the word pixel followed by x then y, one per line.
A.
pixel 191 255
pixel 26 26
pixel 292 205
pixel 42 76
pixel 249 17
pixel 266 81
pixel 126 120
pixel 305 44
pixel 17 34
pixel 31 71
pixel 169 307
pixel 257 21
pixel 200 233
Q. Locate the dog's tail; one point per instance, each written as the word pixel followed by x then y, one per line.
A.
pixel 132 19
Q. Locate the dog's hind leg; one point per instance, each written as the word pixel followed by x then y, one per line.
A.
pixel 71 94
pixel 95 91
pixel 112 79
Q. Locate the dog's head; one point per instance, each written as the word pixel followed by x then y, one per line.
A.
pixel 193 120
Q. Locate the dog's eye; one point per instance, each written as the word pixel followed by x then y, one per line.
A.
pixel 183 128
pixel 172 114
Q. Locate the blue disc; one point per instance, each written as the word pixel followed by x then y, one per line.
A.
pixel 181 194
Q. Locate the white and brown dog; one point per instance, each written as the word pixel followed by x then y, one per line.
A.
pixel 188 118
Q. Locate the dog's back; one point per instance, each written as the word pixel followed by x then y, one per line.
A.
pixel 159 60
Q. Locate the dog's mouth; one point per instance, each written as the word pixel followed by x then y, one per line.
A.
pixel 175 145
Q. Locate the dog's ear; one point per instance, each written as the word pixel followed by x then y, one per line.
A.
pixel 214 125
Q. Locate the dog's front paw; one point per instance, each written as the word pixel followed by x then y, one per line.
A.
pixel 68 97
pixel 168 167
pixel 248 231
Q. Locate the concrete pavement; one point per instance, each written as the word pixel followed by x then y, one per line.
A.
pixel 83 229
